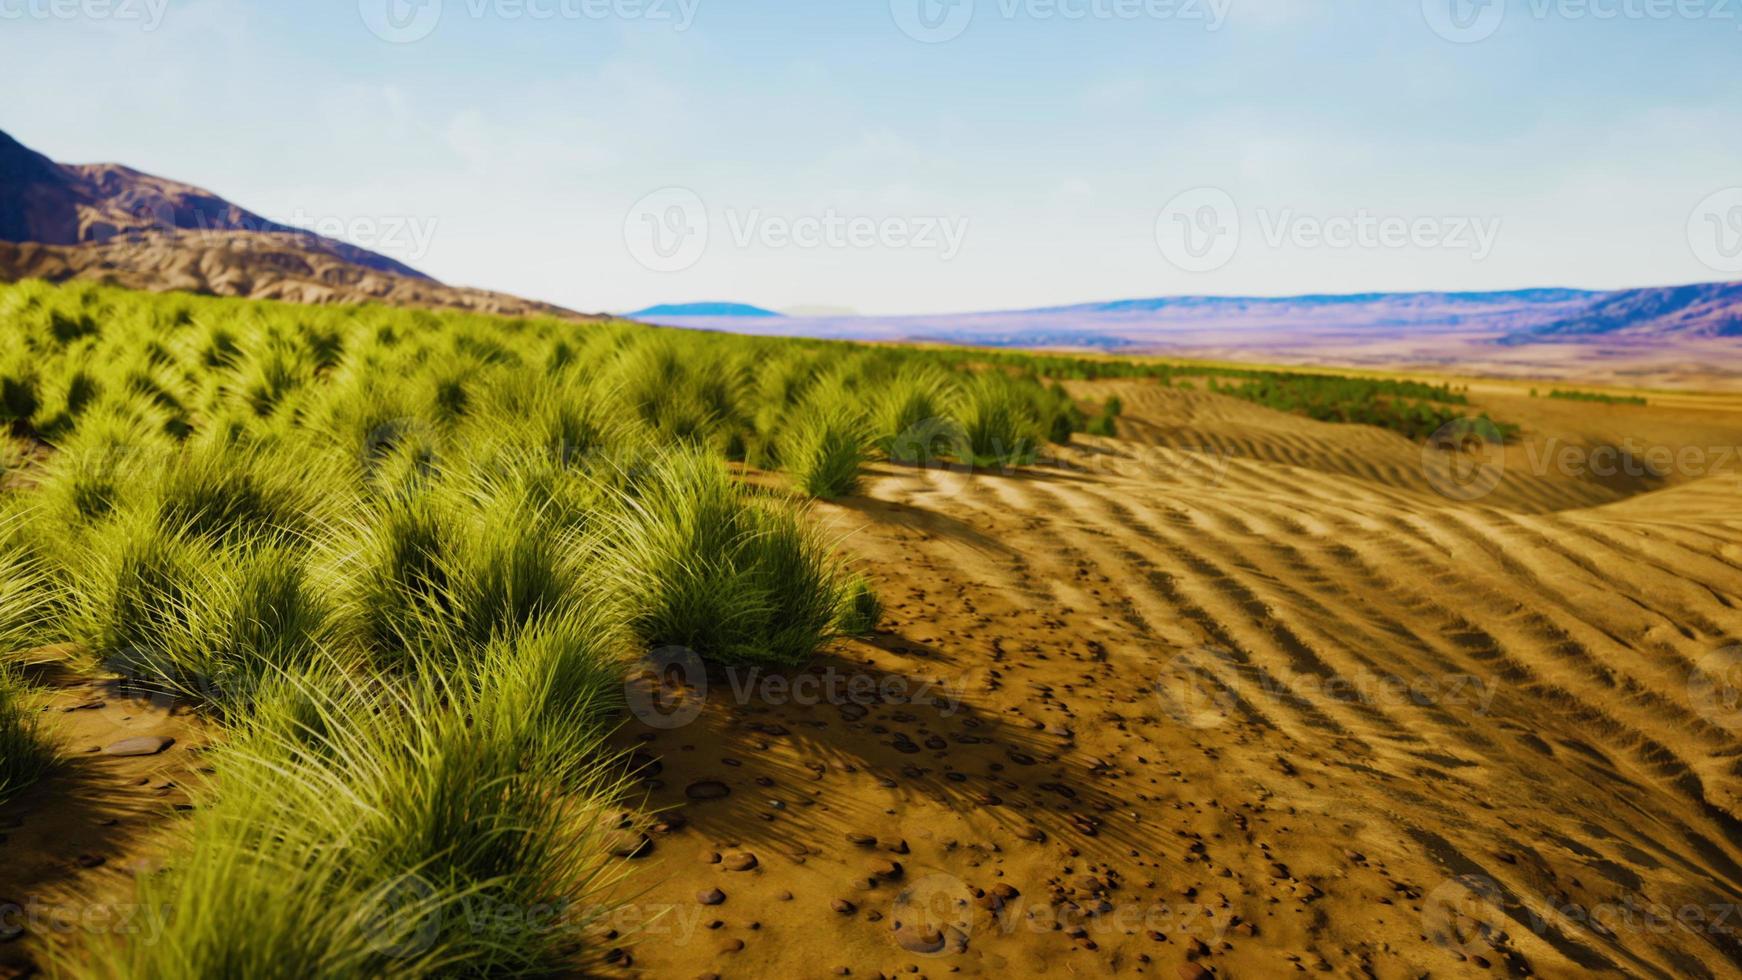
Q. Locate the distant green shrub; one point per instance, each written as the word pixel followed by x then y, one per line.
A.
pixel 1598 397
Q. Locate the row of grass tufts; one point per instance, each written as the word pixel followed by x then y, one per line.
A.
pixel 403 561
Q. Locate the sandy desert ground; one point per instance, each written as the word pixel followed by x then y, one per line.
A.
pixel 1238 695
pixel 1234 695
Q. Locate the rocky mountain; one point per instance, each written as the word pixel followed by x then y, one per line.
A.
pixel 114 224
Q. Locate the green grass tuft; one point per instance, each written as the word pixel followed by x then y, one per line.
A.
pixel 702 565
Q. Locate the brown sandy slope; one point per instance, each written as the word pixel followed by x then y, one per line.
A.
pixel 252 265
pixel 1237 695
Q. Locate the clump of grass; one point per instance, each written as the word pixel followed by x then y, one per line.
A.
pixel 1107 423
pixel 912 419
pixel 861 610
pixel 567 423
pixel 26 753
pixel 703 566
pixel 169 611
pixel 998 421
pixel 363 832
pixel 826 448
pixel 101 464
pixel 20 384
pixel 236 494
pixel 440 570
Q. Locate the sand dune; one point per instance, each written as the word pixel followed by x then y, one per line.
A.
pixel 1239 693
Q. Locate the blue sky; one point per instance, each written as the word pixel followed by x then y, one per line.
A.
pixel 1023 161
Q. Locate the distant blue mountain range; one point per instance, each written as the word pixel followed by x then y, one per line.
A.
pixel 1508 318
pixel 702 309
pixel 1164 303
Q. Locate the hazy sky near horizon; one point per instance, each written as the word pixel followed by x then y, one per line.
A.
pixel 927 155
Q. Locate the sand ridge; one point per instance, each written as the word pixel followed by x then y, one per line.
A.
pixel 1234 695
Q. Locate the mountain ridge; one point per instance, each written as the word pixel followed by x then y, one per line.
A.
pixel 111 223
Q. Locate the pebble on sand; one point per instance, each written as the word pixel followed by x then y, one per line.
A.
pixel 707 789
pixel 143 745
